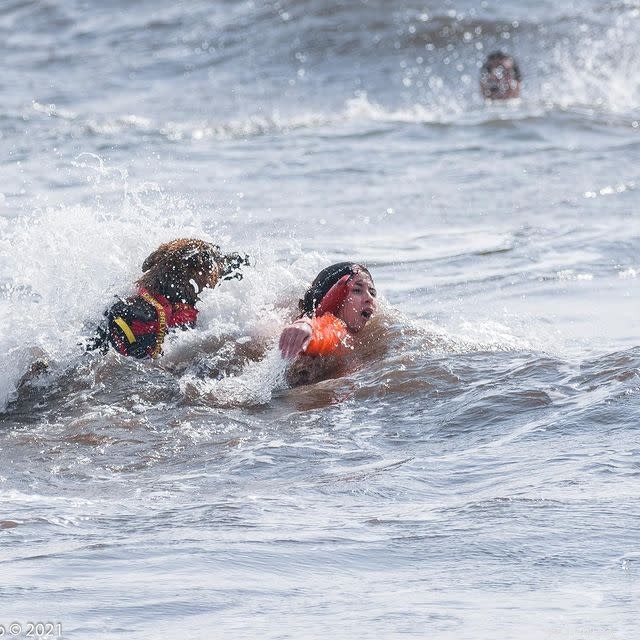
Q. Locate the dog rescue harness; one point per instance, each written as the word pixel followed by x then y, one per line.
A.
pixel 138 325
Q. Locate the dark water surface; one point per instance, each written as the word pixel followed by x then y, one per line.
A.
pixel 477 477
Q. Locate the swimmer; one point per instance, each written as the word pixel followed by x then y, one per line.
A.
pixel 174 276
pixel 500 77
pixel 334 311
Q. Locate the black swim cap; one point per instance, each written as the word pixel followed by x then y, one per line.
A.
pixel 324 281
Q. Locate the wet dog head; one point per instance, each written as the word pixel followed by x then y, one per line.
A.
pixel 180 269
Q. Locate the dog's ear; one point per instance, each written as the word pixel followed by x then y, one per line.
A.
pixel 153 259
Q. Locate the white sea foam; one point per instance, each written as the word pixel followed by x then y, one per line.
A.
pixel 362 108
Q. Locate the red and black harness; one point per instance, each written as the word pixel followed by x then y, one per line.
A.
pixel 138 325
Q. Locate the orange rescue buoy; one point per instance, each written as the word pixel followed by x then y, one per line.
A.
pixel 327 335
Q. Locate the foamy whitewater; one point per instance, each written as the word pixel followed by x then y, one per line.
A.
pixel 478 477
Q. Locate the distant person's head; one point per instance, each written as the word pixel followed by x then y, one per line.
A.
pixel 500 77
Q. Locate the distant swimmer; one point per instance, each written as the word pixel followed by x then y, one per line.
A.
pixel 174 276
pixel 334 310
pixel 500 77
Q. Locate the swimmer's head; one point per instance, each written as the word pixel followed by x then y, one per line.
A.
pixel 500 77
pixel 345 289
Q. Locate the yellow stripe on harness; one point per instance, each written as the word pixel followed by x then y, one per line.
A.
pixel 162 321
pixel 126 329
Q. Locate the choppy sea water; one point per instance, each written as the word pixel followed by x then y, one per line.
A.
pixel 477 475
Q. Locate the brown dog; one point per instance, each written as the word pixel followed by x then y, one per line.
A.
pixel 174 275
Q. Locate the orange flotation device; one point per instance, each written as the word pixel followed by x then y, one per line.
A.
pixel 327 335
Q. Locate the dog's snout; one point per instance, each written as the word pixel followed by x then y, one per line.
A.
pixel 233 263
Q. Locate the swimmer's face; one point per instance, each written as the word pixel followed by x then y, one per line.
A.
pixel 499 82
pixel 360 303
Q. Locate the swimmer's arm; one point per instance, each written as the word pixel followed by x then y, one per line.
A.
pixel 295 338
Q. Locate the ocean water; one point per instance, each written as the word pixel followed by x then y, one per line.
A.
pixel 476 476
